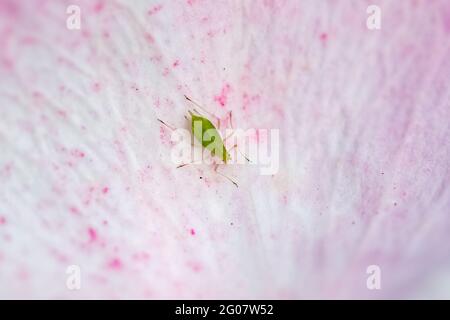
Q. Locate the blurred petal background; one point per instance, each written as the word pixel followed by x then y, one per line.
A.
pixel 86 177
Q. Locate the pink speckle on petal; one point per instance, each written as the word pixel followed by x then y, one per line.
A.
pixel 164 135
pixel 105 190
pixel 8 64
pixel 37 95
pixel 74 210
pixel 323 37
pixel 223 96
pixel 92 234
pixel 115 264
pixel 85 34
pixel 195 266
pixel 77 153
pixel 446 19
pixel 141 256
pixel 10 9
pixel 193 232
pixel 99 6
pixel 149 38
pixel 96 87
pixel 61 113
pixel 2 220
pixel 154 9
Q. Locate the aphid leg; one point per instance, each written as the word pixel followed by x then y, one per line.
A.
pixel 170 127
pixel 231 125
pixel 235 146
pixel 215 170
pixel 183 165
pixel 231 134
pixel 231 119
pixel 216 166
pixel 193 162
pixel 198 105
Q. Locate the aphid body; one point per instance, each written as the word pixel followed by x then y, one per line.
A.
pixel 207 134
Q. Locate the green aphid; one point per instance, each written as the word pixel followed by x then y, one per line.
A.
pixel 209 136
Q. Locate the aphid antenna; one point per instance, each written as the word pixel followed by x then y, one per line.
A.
pixel 199 106
pixel 194 112
pixel 168 126
pixel 243 155
pixel 236 147
pixel 228 178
